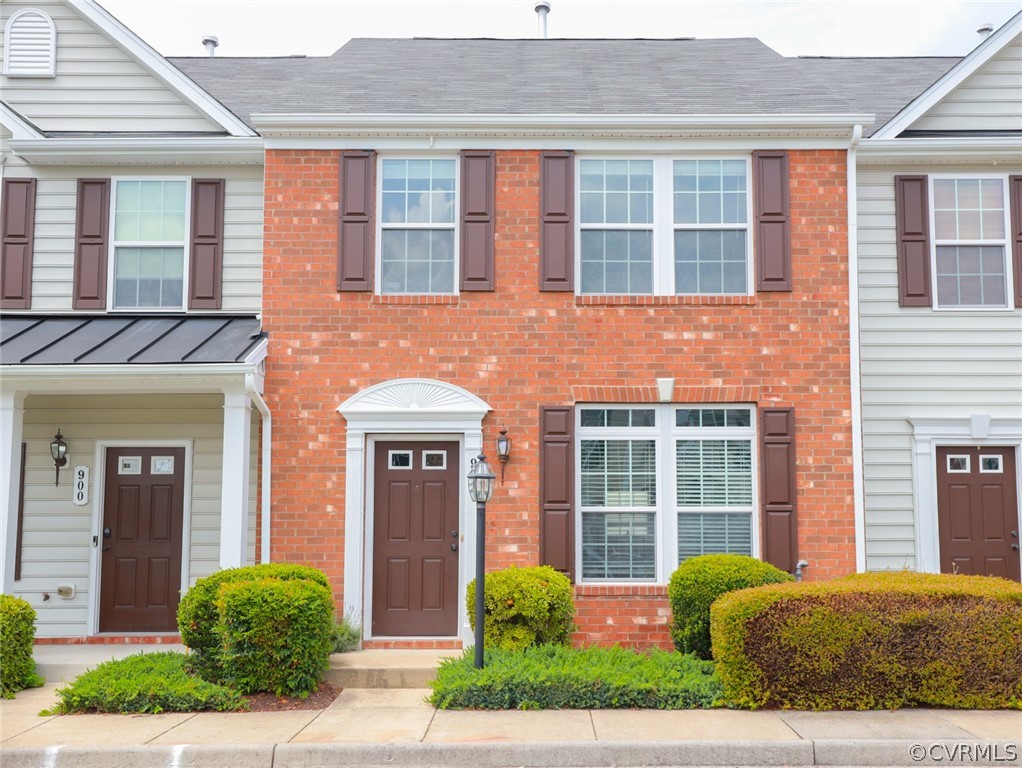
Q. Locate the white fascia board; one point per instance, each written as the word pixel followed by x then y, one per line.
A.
pixel 370 125
pixel 941 151
pixel 19 127
pixel 954 77
pixel 118 150
pixel 85 379
pixel 162 69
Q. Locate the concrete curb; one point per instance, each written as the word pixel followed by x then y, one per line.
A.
pixel 921 752
pixel 182 755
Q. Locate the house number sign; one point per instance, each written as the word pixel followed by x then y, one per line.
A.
pixel 80 487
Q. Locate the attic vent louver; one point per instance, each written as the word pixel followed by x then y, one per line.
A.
pixel 30 45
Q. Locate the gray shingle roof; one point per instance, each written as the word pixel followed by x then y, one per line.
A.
pixel 471 76
pixel 127 339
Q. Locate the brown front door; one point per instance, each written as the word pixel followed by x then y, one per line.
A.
pixel 415 539
pixel 977 511
pixel 143 514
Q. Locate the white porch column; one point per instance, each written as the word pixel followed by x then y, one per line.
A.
pixel 354 522
pixel 12 420
pixel 235 476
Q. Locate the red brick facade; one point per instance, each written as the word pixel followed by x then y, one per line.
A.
pixel 519 349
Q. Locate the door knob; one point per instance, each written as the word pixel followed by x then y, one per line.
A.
pixel 454 547
pixel 1014 534
pixel 454 534
pixel 1015 547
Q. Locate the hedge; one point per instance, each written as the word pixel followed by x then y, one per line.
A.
pixel 523 607
pixel 872 641
pixel 17 635
pixel 698 581
pixel 197 614
pixel 558 677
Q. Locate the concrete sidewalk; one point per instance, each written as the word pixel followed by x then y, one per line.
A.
pixel 395 727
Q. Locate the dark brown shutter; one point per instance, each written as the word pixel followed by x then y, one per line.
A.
pixel 1015 241
pixel 355 239
pixel 911 210
pixel 21 514
pixel 557 221
pixel 17 220
pixel 477 220
pixel 772 217
pixel 92 233
pixel 556 489
pixel 777 458
pixel 206 263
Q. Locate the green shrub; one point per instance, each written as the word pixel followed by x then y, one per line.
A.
pixel 277 635
pixel 145 682
pixel 558 677
pixel 197 614
pixel 346 635
pixel 872 641
pixel 524 606
pixel 699 581
pixel 17 635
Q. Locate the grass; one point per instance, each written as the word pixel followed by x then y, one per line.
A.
pixel 558 677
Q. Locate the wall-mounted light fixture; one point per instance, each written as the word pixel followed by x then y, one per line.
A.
pixel 58 450
pixel 503 451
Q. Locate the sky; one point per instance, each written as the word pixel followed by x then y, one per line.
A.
pixel 793 27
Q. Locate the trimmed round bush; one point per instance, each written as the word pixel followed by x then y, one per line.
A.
pixel 697 582
pixel 277 635
pixel 197 614
pixel 525 606
pixel 17 634
pixel 872 641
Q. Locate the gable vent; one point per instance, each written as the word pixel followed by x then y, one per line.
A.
pixel 30 45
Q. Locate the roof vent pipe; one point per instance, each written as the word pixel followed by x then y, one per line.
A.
pixel 211 42
pixel 542 9
pixel 985 29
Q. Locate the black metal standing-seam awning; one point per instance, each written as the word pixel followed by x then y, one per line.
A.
pixel 127 339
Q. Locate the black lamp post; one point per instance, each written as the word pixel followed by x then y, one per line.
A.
pixel 480 489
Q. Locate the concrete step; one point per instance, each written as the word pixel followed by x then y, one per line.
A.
pixel 386 668
pixel 63 663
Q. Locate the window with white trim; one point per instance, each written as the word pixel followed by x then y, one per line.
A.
pixel 417 207
pixel 970 246
pixel 660 484
pixel 665 226
pixel 149 234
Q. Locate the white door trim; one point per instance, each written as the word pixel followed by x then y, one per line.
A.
pixel 927 436
pixel 98 494
pixel 402 409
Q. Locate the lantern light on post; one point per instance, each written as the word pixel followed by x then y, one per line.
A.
pixel 480 490
pixel 503 451
pixel 58 450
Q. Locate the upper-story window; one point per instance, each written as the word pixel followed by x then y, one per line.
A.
pixel 30 45
pixel 970 246
pixel 667 226
pixel 660 484
pixel 418 234
pixel 149 243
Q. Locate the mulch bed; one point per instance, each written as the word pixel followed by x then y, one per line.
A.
pixel 322 698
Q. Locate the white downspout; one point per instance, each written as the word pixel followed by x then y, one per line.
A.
pixel 859 500
pixel 265 463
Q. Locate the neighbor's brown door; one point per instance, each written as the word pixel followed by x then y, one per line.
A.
pixel 143 514
pixel 977 511
pixel 416 539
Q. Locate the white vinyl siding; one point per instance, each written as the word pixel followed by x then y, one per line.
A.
pixel 918 363
pixel 97 87
pixel 57 535
pixel 53 260
pixel 989 100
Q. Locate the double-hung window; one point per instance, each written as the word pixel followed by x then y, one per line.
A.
pixel 418 236
pixel 970 246
pixel 150 226
pixel 664 226
pixel 659 484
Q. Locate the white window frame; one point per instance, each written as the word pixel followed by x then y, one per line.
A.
pixel 665 434
pixel 663 224
pixel 1004 243
pixel 51 65
pixel 115 243
pixel 380 225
